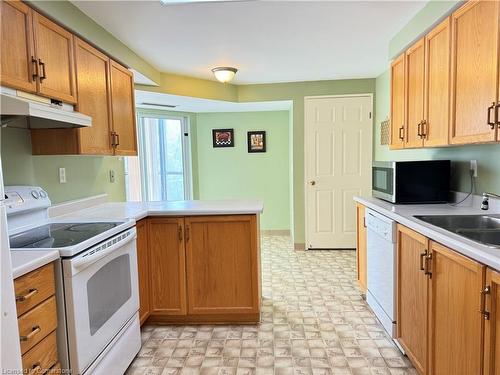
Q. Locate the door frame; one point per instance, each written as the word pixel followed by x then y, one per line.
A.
pixel 306 98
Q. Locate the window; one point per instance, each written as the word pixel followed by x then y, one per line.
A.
pixel 163 166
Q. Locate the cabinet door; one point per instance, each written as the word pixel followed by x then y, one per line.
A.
pixel 54 50
pixel 437 85
pixel 361 246
pixel 167 266
pixel 123 110
pixel 492 325
pixel 412 296
pixel 222 264
pixel 17 69
pixel 94 98
pixel 398 103
pixel 454 313
pixel 143 268
pixel 415 77
pixel 474 71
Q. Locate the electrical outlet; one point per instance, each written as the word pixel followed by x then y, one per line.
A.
pixel 112 176
pixel 473 168
pixel 62 175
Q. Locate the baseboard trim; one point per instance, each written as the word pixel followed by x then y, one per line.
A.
pixel 298 246
pixel 276 232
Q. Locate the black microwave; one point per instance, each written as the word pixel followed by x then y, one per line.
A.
pixel 409 182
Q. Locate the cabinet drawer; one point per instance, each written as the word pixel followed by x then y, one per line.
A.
pixel 42 357
pixel 37 323
pixel 34 287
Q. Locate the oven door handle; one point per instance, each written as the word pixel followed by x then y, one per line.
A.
pixel 85 261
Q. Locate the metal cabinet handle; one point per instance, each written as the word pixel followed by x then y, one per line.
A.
pixel 117 139
pixel 497 114
pixel 36 330
pixel 44 74
pixel 427 270
pixel 180 233
pixel 187 233
pixel 491 123
pixel 484 292
pixel 424 129
pixel 34 67
pixel 30 294
pixel 422 256
pixel 419 129
pixel 401 133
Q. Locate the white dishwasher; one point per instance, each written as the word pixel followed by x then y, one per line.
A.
pixel 381 269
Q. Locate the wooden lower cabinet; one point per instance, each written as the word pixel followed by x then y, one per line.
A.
pixel 143 269
pixel 222 265
pixel 491 293
pixel 412 296
pixel 454 316
pixel 361 247
pixel 167 266
pixel 441 308
pixel 199 269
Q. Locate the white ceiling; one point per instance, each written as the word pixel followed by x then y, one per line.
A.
pixel 268 41
pixel 198 105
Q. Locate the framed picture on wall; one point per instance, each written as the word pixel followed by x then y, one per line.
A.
pixel 256 141
pixel 223 138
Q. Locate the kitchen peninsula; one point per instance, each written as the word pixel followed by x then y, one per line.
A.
pixel 198 261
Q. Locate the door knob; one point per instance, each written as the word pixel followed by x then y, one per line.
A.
pixel 312 183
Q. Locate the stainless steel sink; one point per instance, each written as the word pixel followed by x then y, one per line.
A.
pixel 484 229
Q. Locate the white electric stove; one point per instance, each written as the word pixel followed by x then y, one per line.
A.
pixel 97 286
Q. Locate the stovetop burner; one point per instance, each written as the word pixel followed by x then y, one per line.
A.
pixel 57 235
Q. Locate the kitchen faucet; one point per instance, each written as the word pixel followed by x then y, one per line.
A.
pixel 485 204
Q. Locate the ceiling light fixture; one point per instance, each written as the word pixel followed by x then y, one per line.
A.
pixel 224 74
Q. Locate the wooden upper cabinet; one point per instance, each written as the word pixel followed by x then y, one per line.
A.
pixel 437 85
pixel 412 296
pixel 455 319
pixel 143 268
pixel 54 50
pixel 398 103
pixel 222 264
pixel 415 75
pixel 167 266
pixel 17 65
pixel 492 323
pixel 474 67
pixel 94 98
pixel 361 247
pixel 123 110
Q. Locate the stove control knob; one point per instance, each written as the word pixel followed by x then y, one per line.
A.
pixel 35 194
pixel 43 194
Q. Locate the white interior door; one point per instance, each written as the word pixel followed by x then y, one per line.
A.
pixel 338 160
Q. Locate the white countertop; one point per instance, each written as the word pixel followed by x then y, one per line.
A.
pixel 24 261
pixel 403 214
pixel 139 210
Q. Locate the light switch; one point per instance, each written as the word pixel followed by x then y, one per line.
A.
pixel 62 175
pixel 112 176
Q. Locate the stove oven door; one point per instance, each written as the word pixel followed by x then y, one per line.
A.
pixel 101 293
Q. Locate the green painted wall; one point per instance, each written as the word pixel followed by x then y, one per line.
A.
pixel 233 173
pixel 86 175
pixel 487 156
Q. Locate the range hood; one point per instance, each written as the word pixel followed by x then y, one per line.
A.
pixel 22 110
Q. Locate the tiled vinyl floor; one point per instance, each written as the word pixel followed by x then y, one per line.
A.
pixel 313 322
